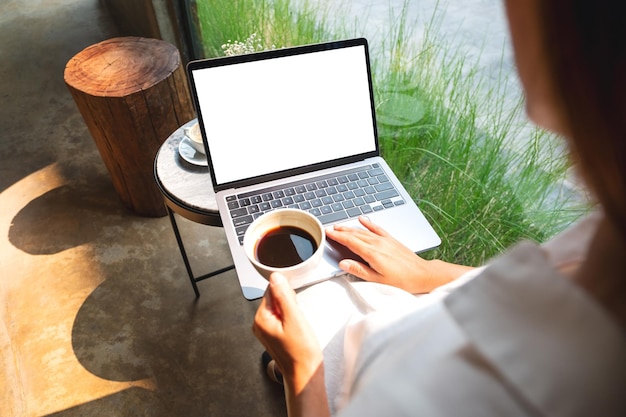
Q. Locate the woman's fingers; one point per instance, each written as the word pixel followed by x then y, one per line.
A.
pixel 282 328
pixel 365 222
pixel 269 316
pixel 358 269
pixel 282 295
pixel 372 227
pixel 265 317
pixel 360 241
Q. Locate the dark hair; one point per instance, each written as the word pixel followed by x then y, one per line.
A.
pixel 586 47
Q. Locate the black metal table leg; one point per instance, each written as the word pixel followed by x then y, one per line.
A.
pixel 183 252
pixel 187 192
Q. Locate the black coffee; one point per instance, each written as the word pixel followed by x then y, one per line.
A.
pixel 285 246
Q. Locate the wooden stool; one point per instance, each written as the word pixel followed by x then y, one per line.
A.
pixel 132 93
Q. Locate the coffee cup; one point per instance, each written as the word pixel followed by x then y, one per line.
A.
pixel 193 133
pixel 289 241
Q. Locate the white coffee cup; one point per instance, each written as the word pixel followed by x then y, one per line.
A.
pixel 278 232
pixel 193 133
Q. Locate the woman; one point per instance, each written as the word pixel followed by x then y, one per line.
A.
pixel 540 330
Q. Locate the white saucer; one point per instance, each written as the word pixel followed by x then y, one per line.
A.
pixel 189 154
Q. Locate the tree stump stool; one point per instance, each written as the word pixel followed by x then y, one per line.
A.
pixel 132 93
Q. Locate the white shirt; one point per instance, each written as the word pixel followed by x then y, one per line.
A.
pixel 513 338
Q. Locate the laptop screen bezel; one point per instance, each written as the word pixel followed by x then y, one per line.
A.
pixel 270 54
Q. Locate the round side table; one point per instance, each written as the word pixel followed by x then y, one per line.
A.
pixel 187 191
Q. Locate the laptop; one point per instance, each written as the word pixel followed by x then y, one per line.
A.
pixel 296 127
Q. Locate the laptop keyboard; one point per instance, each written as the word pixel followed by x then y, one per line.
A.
pixel 330 198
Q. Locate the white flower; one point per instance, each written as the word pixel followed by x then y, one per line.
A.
pixel 254 43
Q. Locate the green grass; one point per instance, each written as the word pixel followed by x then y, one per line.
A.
pixel 446 136
pixel 277 22
pixel 481 191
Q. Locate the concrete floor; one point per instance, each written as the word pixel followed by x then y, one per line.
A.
pixel 97 315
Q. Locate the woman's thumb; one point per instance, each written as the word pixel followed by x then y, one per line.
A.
pixel 283 297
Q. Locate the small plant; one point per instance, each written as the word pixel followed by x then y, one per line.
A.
pixel 272 22
pixel 253 43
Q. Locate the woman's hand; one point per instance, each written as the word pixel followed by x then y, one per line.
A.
pixel 388 261
pixel 284 331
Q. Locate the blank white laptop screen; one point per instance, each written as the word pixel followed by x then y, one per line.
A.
pixel 271 115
